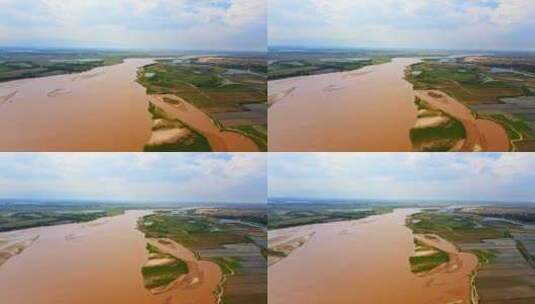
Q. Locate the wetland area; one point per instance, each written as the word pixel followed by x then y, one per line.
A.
pixel 374 248
pixel 331 101
pixel 132 103
pixel 199 255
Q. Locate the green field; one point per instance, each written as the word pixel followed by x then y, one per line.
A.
pixel 34 217
pixel 485 256
pixel 229 265
pixel 195 142
pixel 202 85
pixel 468 84
pixel 440 138
pixel 20 65
pixel 258 133
pixel 162 275
pixel 283 216
pixel 227 238
pixel 428 262
pixel 455 228
pixel 215 89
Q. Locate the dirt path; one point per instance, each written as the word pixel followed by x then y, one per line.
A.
pixel 219 140
pixel 481 134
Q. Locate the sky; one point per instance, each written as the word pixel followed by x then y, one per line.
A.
pixel 454 177
pixel 140 24
pixel 428 24
pixel 135 177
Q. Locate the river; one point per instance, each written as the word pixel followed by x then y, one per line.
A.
pixel 370 109
pixel 103 109
pixel 365 261
pixel 97 262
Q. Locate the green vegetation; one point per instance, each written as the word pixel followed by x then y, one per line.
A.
pixel 193 142
pixel 297 215
pixel 228 265
pixel 204 86
pixel 302 66
pixel 469 84
pixel 217 88
pixel 162 275
pixel 436 138
pixel 456 228
pixel 18 65
pixel 225 236
pixel 485 256
pixel 258 133
pixel 516 126
pixel 35 217
pixel 427 262
pixel 190 231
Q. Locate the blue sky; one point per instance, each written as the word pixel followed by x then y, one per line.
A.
pixel 442 24
pixel 507 177
pixel 160 24
pixel 145 177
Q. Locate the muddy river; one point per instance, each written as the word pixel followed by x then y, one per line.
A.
pixel 370 109
pixel 96 262
pixel 365 261
pixel 103 109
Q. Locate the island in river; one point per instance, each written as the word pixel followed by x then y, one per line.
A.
pixel 113 260
pixel 87 101
pixel 434 254
pixel 362 100
pixel 369 263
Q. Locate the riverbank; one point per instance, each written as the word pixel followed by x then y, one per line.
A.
pixel 366 255
pixel 482 135
pixel 369 109
pixel 103 109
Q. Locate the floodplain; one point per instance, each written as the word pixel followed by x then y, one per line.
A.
pixel 81 100
pixel 213 254
pixel 441 101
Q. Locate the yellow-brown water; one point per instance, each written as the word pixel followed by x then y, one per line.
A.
pixel 370 109
pixel 96 262
pixel 103 109
pixel 365 261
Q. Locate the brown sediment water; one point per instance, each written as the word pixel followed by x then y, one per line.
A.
pixel 219 140
pixel 201 281
pixel 365 261
pixel 97 262
pixel 103 109
pixel 481 134
pixel 370 109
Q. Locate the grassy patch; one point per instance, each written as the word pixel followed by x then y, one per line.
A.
pixel 202 85
pixel 229 265
pixel 440 138
pixel 427 263
pixel 455 228
pixel 485 256
pixel 196 142
pixel 465 83
pixel 517 128
pixel 258 133
pixel 162 275
pixel 190 231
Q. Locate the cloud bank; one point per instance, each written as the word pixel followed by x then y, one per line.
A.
pixel 154 24
pixel 438 24
pixel 130 177
pixel 461 177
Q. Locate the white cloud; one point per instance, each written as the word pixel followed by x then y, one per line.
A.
pixel 403 23
pixel 175 177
